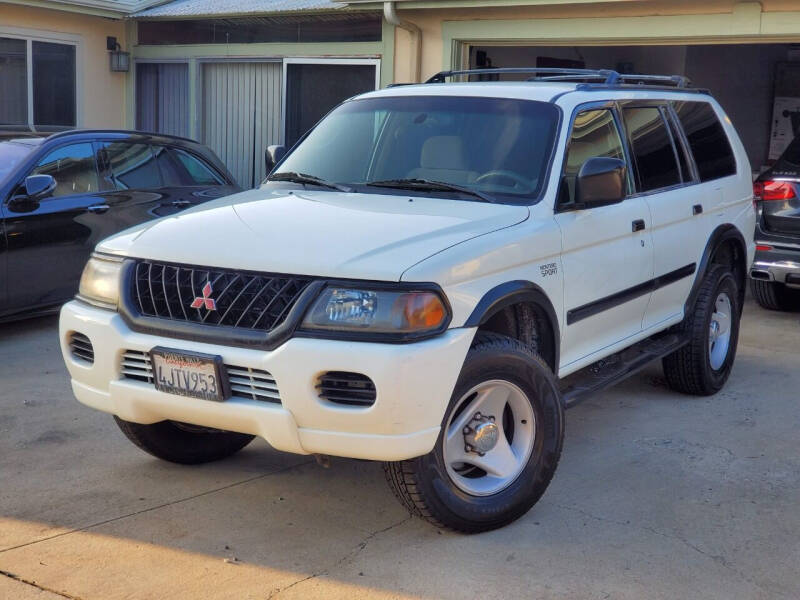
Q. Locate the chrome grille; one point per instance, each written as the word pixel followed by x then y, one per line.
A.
pixel 253 301
pixel 245 382
pixel 81 347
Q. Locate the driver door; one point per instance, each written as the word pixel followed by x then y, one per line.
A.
pixel 49 240
pixel 607 254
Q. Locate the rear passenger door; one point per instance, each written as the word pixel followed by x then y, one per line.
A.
pixel 667 178
pixel 187 180
pixel 607 255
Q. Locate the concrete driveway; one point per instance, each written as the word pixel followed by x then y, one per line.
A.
pixel 657 495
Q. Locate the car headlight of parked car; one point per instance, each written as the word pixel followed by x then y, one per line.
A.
pixel 380 312
pixel 100 281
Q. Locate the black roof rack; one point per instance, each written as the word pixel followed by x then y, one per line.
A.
pixel 596 77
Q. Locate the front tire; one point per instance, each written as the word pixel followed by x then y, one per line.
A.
pixel 774 296
pixel 183 444
pixel 498 447
pixel 702 367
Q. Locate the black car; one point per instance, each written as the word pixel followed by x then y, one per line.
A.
pixel 775 275
pixel 63 193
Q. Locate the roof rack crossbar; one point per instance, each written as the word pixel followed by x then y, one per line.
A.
pixel 608 76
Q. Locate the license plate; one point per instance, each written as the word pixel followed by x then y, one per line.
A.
pixel 187 374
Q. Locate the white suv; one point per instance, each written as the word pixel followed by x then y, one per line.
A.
pixel 418 276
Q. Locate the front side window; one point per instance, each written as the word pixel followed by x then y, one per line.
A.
pixel 46 68
pixel 73 167
pixel 594 133
pixel 707 140
pixel 653 152
pixel 131 166
pixel 500 147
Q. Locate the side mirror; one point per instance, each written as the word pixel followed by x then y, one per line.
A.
pixel 39 186
pixel 273 156
pixel 600 181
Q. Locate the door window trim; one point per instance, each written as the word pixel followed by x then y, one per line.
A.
pixel 611 106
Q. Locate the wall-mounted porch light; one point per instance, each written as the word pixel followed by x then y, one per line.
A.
pixel 118 60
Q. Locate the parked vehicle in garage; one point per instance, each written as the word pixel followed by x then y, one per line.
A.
pixel 429 278
pixel 63 193
pixel 775 276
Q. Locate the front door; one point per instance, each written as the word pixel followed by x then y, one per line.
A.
pixel 50 240
pixel 607 255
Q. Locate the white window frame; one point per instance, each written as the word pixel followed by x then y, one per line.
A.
pixel 376 62
pixel 40 35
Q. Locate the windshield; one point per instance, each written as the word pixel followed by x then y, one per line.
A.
pixel 11 154
pixel 494 146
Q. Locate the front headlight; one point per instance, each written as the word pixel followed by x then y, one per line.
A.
pixel 100 281
pixel 407 313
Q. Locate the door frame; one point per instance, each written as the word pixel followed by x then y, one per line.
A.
pixel 376 62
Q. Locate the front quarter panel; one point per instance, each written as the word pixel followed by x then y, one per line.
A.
pixel 529 251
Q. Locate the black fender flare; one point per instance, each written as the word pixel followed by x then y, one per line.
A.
pixel 516 292
pixel 719 236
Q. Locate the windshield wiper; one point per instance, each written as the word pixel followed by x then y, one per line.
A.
pixel 432 186
pixel 310 179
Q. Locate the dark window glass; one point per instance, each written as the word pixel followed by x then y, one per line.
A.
pixel 652 148
pixel 498 146
pixel 707 139
pixel 13 82
pixel 683 160
pixel 286 29
pixel 308 101
pixel 73 168
pixel 12 154
pixel 132 166
pixel 173 174
pixel 594 133
pixel 199 173
pixel 53 84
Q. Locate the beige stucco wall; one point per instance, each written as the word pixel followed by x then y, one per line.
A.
pixel 725 17
pixel 101 96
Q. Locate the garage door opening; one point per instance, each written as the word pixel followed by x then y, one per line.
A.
pixel 758 85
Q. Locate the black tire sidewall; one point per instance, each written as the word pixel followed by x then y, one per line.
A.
pixel 721 281
pixel 486 512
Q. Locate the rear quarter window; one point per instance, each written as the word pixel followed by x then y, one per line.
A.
pixel 707 140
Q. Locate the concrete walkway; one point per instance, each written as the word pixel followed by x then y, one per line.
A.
pixel 657 495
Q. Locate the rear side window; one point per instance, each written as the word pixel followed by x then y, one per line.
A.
pixel 72 167
pixel 653 152
pixel 707 140
pixel 199 172
pixel 131 166
pixel 594 133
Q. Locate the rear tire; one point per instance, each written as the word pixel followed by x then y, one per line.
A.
pixel 183 444
pixel 774 296
pixel 529 422
pixel 702 366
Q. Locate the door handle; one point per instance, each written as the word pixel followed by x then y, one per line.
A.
pixel 697 209
pixel 98 209
pixel 180 203
pixel 637 225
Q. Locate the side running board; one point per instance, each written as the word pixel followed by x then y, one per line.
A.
pixel 580 385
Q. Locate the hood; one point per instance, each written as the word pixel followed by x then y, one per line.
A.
pixel 327 234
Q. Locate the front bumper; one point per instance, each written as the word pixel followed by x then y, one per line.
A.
pixel 414 383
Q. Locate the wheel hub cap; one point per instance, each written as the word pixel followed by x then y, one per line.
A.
pixel 489 437
pixel 481 434
pixel 719 331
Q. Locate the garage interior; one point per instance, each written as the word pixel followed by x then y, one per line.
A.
pixel 745 78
